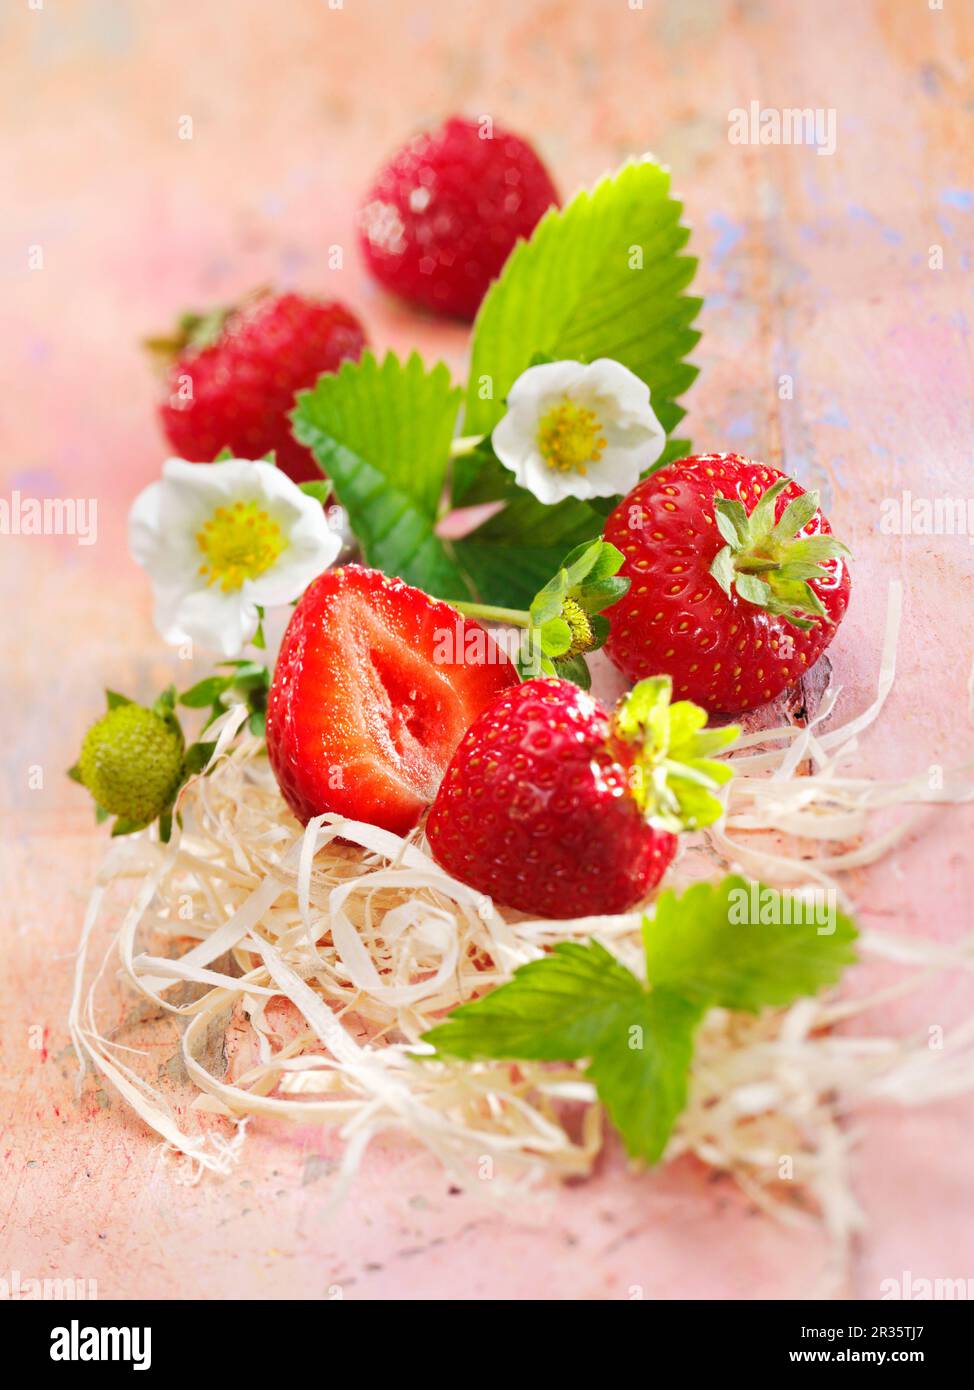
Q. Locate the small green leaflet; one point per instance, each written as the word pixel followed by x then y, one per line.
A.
pixel 585 583
pixel 734 944
pixel 248 683
pixel 708 945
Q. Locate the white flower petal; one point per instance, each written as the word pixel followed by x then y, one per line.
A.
pixel 620 402
pixel 167 605
pixel 165 550
pixel 548 485
pixel 163 526
pixel 628 393
pixel 223 622
pixel 144 525
pixel 546 380
pixel 300 563
pixel 617 471
pixel 514 438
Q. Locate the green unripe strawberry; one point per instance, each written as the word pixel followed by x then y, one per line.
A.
pixel 132 763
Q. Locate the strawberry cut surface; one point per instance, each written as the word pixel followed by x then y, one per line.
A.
pixel 374 687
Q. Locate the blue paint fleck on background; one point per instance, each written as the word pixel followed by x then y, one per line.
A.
pixel 728 235
pixel 961 198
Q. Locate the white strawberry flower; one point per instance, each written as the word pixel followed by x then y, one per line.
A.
pixel 220 541
pixel 576 429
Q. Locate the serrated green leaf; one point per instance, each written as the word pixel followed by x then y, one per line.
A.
pixel 114 699
pixel 575 290
pixel 641 1070
pixel 555 1009
pixel 382 433
pixel 704 948
pixel 516 551
pixel 580 1003
pixel 707 946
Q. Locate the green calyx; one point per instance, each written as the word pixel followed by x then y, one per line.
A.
pixel 673 777
pixel 192 333
pixel 564 622
pixel 195 331
pixel 769 564
pixel 565 616
pixel 133 762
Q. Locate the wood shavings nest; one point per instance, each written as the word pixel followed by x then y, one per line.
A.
pixel 328 961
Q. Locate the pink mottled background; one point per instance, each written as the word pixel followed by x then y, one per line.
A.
pixel 815 267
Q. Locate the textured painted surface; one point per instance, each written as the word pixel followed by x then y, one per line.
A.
pixel 815 267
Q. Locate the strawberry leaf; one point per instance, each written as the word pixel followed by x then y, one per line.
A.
pixel 734 944
pixel 382 433
pixel 602 277
pixel 741 945
pixel 580 1003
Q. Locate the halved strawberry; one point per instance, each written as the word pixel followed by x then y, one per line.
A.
pixel 375 685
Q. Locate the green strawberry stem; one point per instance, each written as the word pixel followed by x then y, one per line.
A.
pixel 770 563
pixel 673 778
pixel 516 617
pixel 564 621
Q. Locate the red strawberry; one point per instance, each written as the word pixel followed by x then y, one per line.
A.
pixel 444 214
pixel 374 687
pixel 737 583
pixel 234 375
pixel 553 806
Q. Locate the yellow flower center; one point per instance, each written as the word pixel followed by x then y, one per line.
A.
pixel 570 437
pixel 238 543
pixel 579 627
